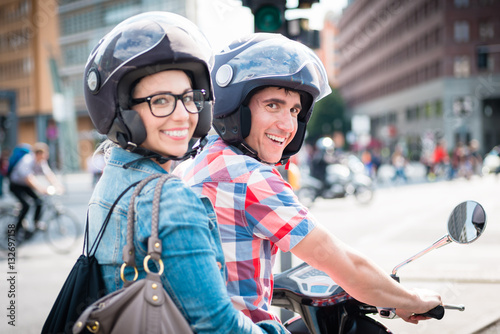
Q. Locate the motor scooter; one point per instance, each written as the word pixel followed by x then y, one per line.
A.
pixel 326 308
pixel 344 178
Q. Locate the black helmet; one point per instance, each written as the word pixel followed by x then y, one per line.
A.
pixel 140 46
pixel 260 60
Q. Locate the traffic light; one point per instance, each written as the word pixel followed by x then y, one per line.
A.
pixel 298 29
pixel 269 15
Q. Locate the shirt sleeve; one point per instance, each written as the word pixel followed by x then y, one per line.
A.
pixel 273 210
pixel 23 169
pixel 42 168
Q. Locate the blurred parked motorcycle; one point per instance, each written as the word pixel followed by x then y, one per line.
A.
pixel 344 178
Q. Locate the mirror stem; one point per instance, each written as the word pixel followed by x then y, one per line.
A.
pixel 440 243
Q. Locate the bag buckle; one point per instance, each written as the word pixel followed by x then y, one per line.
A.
pixel 122 274
pixel 146 266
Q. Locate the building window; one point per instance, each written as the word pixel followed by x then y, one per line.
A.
pixel 75 54
pixel 461 31
pixel 484 59
pixel 486 30
pixel 429 110
pixel 462 106
pixel 27 66
pixel 461 3
pixel 116 13
pixel 439 108
pixel 82 21
pixel 461 67
pixel 486 2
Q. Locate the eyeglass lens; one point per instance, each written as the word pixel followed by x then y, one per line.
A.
pixel 164 104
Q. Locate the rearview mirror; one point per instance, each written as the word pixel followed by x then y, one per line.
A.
pixel 467 222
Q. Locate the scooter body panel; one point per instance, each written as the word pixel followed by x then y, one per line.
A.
pixel 322 304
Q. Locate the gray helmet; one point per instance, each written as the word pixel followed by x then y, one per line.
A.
pixel 262 60
pixel 140 46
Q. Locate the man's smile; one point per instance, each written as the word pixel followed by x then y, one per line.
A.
pixel 276 138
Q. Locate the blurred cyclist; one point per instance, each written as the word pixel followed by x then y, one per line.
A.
pixel 25 184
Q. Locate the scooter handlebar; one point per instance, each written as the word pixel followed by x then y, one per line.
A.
pixel 436 313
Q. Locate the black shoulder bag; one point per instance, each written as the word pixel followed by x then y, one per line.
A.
pixel 83 286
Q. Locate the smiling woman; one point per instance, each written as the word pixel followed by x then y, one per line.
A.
pixel 169 125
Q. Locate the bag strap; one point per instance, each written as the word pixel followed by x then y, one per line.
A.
pixel 154 243
pixel 91 251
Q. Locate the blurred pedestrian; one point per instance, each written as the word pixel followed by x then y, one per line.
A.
pixel 399 163
pixel 366 159
pixel 95 165
pixel 4 164
pixel 475 157
pixel 440 161
pixel 457 160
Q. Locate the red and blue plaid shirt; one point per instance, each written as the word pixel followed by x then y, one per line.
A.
pixel 257 213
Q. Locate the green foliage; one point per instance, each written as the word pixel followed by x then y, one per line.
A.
pixel 328 117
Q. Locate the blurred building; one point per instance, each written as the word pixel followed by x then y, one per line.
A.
pixel 28 40
pixel 82 24
pixel 423 69
pixel 328 51
pixel 44 45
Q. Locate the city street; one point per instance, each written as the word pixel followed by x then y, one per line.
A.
pixel 400 222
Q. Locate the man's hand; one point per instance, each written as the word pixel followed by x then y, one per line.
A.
pixel 410 317
pixel 428 300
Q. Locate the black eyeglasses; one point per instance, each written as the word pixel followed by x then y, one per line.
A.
pixel 163 104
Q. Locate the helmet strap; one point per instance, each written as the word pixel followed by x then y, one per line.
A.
pixel 148 154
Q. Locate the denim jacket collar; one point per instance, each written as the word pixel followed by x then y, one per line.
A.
pixel 119 157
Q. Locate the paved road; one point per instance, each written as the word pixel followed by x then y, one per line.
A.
pixel 400 222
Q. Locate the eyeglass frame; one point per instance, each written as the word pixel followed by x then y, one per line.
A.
pixel 177 97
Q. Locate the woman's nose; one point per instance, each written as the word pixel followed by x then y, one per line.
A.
pixel 180 111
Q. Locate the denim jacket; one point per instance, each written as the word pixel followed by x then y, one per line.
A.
pixel 192 254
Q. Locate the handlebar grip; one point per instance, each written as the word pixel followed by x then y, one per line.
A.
pixel 436 313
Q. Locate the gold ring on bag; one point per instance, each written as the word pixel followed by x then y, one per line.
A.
pixel 146 267
pixel 122 274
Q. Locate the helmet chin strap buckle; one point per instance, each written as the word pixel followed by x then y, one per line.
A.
pixel 122 140
pixel 130 147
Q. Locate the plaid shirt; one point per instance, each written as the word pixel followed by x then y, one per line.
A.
pixel 257 213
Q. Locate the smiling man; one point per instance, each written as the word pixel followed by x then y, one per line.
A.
pixel 265 89
pixel 274 114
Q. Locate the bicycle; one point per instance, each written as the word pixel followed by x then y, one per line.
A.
pixel 61 230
